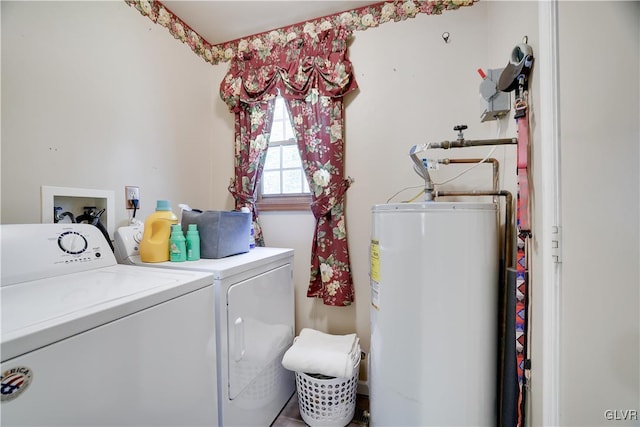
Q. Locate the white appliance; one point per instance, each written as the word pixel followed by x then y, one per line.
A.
pixel 89 342
pixel 254 308
pixel 434 318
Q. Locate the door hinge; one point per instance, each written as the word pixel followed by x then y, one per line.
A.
pixel 556 243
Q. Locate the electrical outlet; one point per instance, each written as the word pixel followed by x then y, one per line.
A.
pixel 131 194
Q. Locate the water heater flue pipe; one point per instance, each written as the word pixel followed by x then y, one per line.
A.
pixel 421 170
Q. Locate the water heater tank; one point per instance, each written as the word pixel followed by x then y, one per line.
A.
pixel 434 314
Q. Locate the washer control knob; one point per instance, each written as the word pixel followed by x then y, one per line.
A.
pixel 72 242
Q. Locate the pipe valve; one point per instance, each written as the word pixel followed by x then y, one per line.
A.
pixel 460 128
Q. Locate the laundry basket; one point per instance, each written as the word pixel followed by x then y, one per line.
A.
pixel 327 401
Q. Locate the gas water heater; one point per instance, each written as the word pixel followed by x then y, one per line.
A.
pixel 434 314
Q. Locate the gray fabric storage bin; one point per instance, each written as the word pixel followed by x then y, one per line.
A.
pixel 222 233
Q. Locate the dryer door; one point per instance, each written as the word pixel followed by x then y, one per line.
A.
pixel 260 328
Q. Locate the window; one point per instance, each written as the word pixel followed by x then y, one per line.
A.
pixel 283 185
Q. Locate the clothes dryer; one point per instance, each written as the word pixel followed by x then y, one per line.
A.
pixel 254 309
pixel 89 342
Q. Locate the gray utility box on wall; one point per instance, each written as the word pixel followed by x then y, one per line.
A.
pixel 495 103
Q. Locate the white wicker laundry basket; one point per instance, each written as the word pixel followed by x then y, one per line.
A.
pixel 327 401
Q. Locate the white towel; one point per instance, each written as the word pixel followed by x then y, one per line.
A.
pixel 316 352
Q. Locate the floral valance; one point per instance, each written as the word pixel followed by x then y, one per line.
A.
pixel 292 63
pixel 358 19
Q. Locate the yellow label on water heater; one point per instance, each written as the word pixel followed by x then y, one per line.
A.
pixel 375 274
pixel 375 260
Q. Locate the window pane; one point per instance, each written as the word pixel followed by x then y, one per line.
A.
pixel 279 110
pixel 273 158
pixel 282 173
pixel 305 184
pixel 291 181
pixel 280 122
pixel 288 129
pixel 277 132
pixel 271 182
pixel 291 157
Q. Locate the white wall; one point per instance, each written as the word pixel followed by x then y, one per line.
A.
pixel 94 95
pixel 599 58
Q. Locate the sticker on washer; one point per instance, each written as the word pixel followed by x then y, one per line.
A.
pixel 14 382
pixel 375 274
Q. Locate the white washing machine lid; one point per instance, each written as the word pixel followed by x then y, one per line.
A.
pixel 41 312
pixel 223 268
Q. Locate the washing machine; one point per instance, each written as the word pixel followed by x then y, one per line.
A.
pixel 254 310
pixel 89 342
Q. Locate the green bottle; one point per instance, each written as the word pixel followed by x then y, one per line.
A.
pixel 193 243
pixel 177 244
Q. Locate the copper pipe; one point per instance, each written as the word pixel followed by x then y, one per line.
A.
pixel 491 160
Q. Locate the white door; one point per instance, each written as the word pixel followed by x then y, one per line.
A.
pixel 260 328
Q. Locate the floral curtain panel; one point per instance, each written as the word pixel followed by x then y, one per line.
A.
pixel 318 125
pixel 308 66
pixel 252 128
